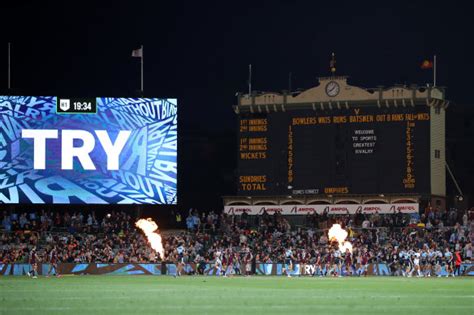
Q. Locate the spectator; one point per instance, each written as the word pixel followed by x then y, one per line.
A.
pixel 117 240
pixel 90 221
pixel 196 221
pixel 6 223
pixel 190 222
pixel 464 219
pixel 366 223
pixel 23 221
pixel 468 252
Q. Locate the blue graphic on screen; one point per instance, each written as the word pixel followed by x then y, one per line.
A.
pixel 126 153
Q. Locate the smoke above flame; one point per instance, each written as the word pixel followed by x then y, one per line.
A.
pixel 336 232
pixel 148 226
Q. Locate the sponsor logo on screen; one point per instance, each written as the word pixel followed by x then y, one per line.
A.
pixel 64 104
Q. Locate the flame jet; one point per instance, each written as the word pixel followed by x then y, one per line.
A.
pixel 148 226
pixel 336 232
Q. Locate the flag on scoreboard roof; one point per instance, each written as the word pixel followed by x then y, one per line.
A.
pixel 427 64
pixel 137 52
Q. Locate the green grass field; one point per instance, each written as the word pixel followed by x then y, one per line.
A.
pixel 254 295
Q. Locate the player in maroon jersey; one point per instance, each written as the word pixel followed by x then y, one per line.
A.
pixel 324 269
pixel 301 259
pixel 348 262
pixel 225 262
pixel 33 260
pixel 329 261
pixel 365 263
pixel 248 256
pixel 306 258
pixel 318 270
pixel 237 265
pixel 53 262
pixel 230 262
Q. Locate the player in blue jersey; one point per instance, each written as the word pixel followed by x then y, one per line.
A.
pixel 405 262
pixel 289 259
pixel 180 250
pixel 438 263
pixel 426 261
pixel 337 267
pixel 218 262
pixel 416 257
pixel 448 262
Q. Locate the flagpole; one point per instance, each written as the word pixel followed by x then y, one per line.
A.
pixel 142 72
pixel 250 79
pixel 434 71
pixel 9 66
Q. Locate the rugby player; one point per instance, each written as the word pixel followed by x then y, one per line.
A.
pixel 237 269
pixel 180 250
pixel 247 260
pixel 348 262
pixel 416 264
pixel 438 262
pixel 33 260
pixel 53 262
pixel 218 262
pixel 337 267
pixel 229 262
pixel 328 262
pixel 318 270
pixel 448 262
pixel 289 259
pixel 457 263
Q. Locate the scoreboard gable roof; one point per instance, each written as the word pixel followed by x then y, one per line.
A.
pixel 318 97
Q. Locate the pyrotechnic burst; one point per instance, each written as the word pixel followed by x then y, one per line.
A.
pixel 336 232
pixel 149 227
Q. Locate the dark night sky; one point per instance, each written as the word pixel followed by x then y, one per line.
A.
pixel 199 52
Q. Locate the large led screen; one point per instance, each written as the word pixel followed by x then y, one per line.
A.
pixel 94 151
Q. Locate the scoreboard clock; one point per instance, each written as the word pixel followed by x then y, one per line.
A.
pixel 332 88
pixel 76 106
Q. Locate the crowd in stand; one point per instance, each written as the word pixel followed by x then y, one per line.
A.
pixel 81 237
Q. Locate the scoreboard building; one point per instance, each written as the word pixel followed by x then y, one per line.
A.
pixel 340 148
